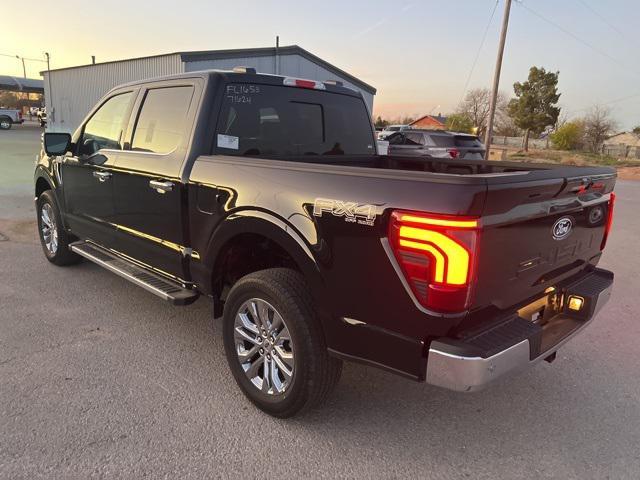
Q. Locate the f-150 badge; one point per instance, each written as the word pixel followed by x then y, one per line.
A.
pixel 352 212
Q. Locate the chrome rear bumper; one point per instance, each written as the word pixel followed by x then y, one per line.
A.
pixel 449 368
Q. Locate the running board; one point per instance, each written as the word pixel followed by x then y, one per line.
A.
pixel 170 291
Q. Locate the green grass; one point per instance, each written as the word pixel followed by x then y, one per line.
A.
pixel 572 158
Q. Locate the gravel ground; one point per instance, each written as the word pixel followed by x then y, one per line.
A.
pixel 101 379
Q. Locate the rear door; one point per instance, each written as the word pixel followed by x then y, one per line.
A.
pixel 87 174
pixel 537 233
pixel 148 189
pixel 469 147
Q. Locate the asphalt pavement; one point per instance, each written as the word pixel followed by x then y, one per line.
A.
pixel 101 379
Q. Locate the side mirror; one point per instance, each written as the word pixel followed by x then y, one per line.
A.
pixel 56 143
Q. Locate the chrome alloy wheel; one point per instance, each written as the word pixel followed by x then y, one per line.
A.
pixel 48 229
pixel 263 346
pixel 5 124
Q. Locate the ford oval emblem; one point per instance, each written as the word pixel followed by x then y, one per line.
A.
pixel 562 228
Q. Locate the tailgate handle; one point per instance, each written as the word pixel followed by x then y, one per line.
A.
pixel 160 186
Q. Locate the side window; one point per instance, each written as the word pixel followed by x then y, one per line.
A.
pixel 414 139
pixel 104 128
pixel 161 124
pixel 396 139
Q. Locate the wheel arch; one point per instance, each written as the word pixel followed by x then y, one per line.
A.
pixel 42 184
pixel 259 226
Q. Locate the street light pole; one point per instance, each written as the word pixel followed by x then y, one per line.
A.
pixel 496 78
pixel 51 113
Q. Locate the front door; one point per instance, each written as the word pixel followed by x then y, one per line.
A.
pixel 87 174
pixel 148 191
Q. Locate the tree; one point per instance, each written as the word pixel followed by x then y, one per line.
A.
pixel 569 136
pixel 380 122
pixel 598 124
pixel 459 122
pixel 636 129
pixel 8 100
pixel 475 106
pixel 534 107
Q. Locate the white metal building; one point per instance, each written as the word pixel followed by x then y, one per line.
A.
pixel 71 92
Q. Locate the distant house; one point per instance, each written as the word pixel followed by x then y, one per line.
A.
pixel 430 122
pixel 629 139
pixel 622 145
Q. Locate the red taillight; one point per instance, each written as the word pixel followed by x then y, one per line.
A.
pixel 437 257
pixel 20 115
pixel 453 152
pixel 607 228
pixel 299 82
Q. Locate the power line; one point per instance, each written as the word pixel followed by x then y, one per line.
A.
pixel 576 38
pixel 23 58
pixel 610 102
pixel 475 60
pixel 607 22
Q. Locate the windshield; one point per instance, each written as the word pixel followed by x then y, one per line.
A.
pixel 268 120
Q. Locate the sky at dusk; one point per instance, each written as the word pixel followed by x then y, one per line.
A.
pixel 418 54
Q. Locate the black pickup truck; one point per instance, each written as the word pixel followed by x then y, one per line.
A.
pixel 266 194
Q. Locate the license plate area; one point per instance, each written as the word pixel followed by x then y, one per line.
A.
pixel 543 309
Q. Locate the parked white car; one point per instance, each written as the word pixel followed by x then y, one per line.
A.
pixel 390 130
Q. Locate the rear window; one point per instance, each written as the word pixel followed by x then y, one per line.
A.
pixel 467 141
pixel 267 120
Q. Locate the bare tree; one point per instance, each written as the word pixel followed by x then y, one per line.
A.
pixel 476 107
pixel 598 124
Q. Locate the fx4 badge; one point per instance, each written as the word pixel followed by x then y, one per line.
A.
pixel 351 211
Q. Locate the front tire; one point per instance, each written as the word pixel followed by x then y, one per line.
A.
pixel 53 237
pixel 274 343
pixel 5 123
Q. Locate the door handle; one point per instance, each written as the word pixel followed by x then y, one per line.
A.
pixel 102 176
pixel 160 186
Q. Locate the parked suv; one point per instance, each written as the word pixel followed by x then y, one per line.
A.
pixel 266 194
pixel 436 144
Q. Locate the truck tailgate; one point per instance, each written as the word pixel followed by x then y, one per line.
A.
pixel 537 233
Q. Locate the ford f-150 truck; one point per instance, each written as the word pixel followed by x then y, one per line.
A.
pixel 266 193
pixel 9 117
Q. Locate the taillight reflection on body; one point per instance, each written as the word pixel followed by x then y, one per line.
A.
pixel 437 257
pixel 607 228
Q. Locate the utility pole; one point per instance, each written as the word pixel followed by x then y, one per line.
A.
pixel 50 115
pixel 496 78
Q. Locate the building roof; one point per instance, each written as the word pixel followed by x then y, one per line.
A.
pixel 438 118
pixel 247 52
pixel 623 133
pixel 16 84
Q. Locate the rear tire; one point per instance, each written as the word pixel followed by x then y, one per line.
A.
pixel 5 123
pixel 299 372
pixel 53 237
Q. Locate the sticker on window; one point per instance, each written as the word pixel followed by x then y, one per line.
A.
pixel 228 141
